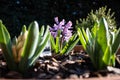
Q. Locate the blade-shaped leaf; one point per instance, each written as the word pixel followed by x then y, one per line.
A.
pixel 29 46
pixel 116 42
pixel 84 34
pixel 42 30
pixel 5 42
pixel 70 45
pixel 106 58
pixel 58 43
pixel 90 43
pixel 23 29
pixel 113 58
pixel 41 46
pixel 102 34
pixel 81 37
pixel 52 41
pixel 95 29
pixel 41 33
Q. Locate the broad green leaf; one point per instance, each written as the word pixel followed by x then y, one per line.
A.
pixel 116 42
pixel 29 46
pixel 102 35
pixel 41 46
pixel 97 52
pixel 106 58
pixel 5 42
pixel 39 50
pixel 95 29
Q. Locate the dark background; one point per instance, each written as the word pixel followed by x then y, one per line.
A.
pixel 15 13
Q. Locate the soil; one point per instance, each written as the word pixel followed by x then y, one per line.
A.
pixel 76 65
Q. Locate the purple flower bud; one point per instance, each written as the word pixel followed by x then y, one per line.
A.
pixel 69 24
pixel 56 20
pixel 54 34
pixel 66 33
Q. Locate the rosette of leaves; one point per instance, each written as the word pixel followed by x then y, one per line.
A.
pixel 62 40
pixel 94 16
pixel 22 53
pixel 100 43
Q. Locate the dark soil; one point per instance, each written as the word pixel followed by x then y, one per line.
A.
pixel 73 66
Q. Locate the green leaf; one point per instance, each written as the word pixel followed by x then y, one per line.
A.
pixel 5 42
pixel 52 41
pixel 90 43
pixel 102 35
pixel 41 34
pixel 29 46
pixel 41 46
pixel 23 29
pixel 106 58
pixel 84 34
pixel 116 42
pixel 100 44
pixel 45 35
pixel 95 29
pixel 58 43
pixel 90 37
pixel 42 30
pixel 70 45
pixel 81 37
pixel 113 58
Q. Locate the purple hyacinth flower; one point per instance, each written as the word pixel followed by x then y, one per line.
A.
pixel 66 33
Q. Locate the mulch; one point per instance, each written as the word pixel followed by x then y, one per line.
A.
pixel 76 65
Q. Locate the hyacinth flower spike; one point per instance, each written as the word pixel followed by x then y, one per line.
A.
pixel 62 39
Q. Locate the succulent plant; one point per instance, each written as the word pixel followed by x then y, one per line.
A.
pixel 22 53
pixel 100 43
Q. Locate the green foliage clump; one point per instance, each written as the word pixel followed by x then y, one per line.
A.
pixel 100 43
pixel 22 52
pixel 94 16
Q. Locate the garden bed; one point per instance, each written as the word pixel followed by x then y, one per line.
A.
pixel 77 65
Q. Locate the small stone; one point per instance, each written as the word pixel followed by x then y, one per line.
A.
pixel 35 70
pixel 4 63
pixel 55 64
pixel 86 75
pixel 73 76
